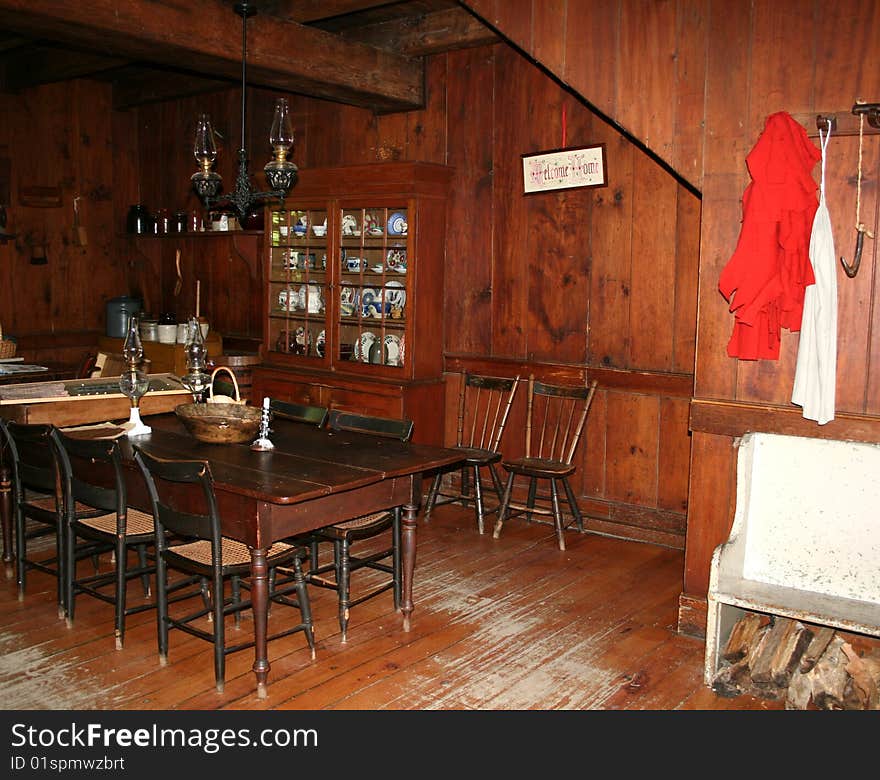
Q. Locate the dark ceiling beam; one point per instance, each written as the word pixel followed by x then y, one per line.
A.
pixel 39 64
pixel 137 86
pixel 304 11
pixel 432 33
pixel 206 38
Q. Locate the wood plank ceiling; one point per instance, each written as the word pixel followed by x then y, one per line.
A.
pixel 363 53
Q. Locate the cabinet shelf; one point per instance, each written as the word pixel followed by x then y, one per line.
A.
pixel 375 343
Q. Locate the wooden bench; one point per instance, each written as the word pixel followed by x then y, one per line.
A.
pixel 805 541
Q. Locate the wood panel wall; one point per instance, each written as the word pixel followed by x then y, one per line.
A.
pixel 590 282
pixel 694 81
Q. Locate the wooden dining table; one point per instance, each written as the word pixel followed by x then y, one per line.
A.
pixel 312 478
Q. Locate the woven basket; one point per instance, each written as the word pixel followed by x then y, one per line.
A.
pixel 7 346
pixel 224 399
pixel 220 423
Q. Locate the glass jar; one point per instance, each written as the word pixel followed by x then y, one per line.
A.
pixel 139 221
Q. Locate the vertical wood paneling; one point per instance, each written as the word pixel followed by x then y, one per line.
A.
pixel 96 261
pixel 427 129
pixel 517 94
pixel 710 505
pixel 690 79
pixel 632 438
pixel 687 264
pixel 724 181
pixel 652 285
pixel 647 60
pixel 515 18
pixel 470 252
pixel 673 455
pixel 593 452
pixel 591 32
pixel 611 256
pixel 549 34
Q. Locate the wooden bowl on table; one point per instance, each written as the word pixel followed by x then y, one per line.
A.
pixel 219 423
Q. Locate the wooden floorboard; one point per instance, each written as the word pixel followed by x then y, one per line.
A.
pixel 500 624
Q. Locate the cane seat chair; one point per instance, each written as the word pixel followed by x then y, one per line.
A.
pixel 483 407
pixel 343 535
pixel 184 506
pixel 98 518
pixel 304 413
pixel 37 501
pixel 555 417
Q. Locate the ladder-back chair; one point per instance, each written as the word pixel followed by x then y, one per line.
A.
pixel 555 419
pixel 37 500
pixel 98 519
pixel 304 413
pixel 185 506
pixel 344 534
pixel 483 407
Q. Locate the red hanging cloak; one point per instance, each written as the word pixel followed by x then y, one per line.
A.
pixel 764 280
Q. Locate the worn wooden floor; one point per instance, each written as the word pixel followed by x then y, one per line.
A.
pixel 508 624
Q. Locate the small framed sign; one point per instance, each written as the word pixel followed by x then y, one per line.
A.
pixel 565 169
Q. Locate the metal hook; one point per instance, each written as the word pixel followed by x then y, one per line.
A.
pixel 852 270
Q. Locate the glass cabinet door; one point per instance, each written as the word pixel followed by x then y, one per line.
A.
pixel 298 282
pixel 373 264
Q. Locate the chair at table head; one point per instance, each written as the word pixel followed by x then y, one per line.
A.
pixel 555 417
pixel 387 427
pixel 184 505
pixel 304 413
pixel 344 534
pixel 37 496
pixel 483 407
pixel 98 519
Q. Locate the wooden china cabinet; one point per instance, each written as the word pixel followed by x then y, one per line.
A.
pixel 354 293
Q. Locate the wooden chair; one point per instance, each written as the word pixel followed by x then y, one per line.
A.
pixel 184 504
pixel 483 406
pixel 98 519
pixel 344 534
pixel 37 499
pixel 555 418
pixel 311 415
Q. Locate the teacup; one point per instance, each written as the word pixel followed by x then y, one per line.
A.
pixel 355 263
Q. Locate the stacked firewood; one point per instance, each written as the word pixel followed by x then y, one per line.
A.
pixel 807 666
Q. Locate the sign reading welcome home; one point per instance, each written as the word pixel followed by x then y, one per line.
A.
pixel 565 169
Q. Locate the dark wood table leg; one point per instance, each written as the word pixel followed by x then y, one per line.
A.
pixel 408 545
pixel 6 517
pixel 260 605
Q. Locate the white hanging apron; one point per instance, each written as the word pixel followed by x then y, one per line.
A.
pixel 815 376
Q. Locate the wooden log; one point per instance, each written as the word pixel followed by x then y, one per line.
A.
pixel 799 694
pixel 791 647
pixel 731 681
pixel 829 677
pixel 861 693
pixel 817 646
pixel 761 666
pixel 742 635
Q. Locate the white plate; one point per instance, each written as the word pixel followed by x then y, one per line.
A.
pixel 392 350
pixel 395 294
pixel 319 344
pixel 362 346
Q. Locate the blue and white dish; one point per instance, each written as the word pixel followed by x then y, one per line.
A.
pixel 397 224
pixel 395 294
